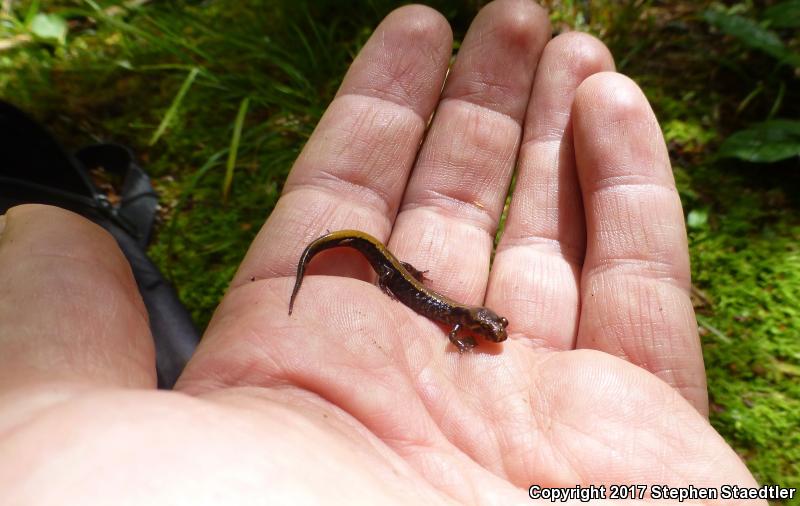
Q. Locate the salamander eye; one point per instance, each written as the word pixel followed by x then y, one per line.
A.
pixel 504 321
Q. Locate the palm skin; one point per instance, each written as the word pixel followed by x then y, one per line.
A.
pixel 354 397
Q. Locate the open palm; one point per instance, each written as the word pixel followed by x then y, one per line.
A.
pixel 601 381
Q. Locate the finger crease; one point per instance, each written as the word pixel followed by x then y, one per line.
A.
pixel 469 103
pixel 653 269
pixel 386 97
pixel 629 181
pixel 553 135
pixel 329 182
pixel 450 206
pixel 571 253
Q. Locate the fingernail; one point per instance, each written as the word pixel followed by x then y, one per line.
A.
pixel 2 223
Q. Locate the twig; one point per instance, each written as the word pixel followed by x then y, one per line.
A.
pixel 714 330
pixel 15 41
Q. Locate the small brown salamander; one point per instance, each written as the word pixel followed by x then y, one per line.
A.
pixel 403 282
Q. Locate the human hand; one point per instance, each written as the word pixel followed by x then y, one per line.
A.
pixel 355 397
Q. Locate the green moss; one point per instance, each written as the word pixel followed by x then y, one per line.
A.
pixel 747 260
pixel 690 135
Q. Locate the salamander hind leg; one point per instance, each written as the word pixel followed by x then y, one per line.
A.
pixel 384 275
pixel 418 274
pixel 465 343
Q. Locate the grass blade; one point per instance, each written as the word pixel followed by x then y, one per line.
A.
pixel 234 149
pixel 176 103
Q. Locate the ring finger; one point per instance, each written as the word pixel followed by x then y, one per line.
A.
pixel 538 262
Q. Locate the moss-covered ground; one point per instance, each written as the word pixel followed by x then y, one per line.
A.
pixel 168 79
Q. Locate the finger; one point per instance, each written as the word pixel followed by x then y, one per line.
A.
pixel 636 280
pixel 353 170
pixel 536 269
pixel 456 193
pixel 69 306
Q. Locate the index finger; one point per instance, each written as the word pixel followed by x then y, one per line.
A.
pixel 353 170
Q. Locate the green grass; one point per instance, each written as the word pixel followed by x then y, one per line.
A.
pixel 171 79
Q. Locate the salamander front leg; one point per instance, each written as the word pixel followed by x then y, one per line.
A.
pixel 466 343
pixel 418 274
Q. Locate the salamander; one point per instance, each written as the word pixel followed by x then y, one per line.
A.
pixel 401 281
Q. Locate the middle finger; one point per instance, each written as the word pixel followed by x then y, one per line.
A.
pixel 456 193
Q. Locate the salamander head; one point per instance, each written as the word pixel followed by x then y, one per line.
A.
pixel 488 324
